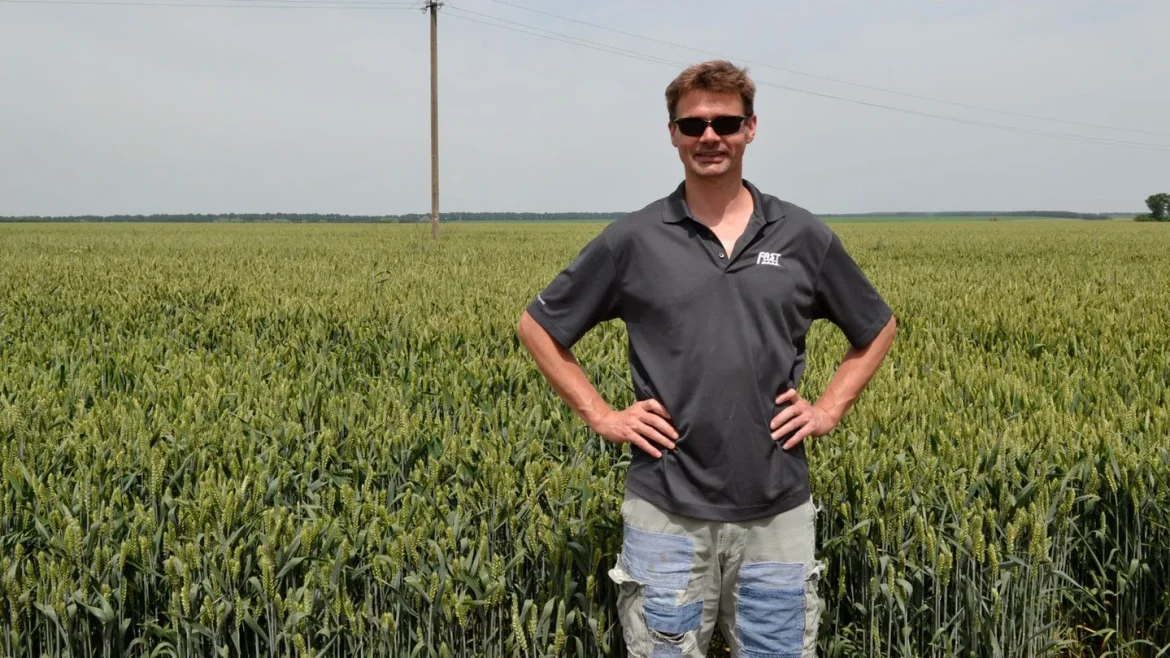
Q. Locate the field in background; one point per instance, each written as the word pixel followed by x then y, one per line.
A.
pixel 932 218
pixel 876 219
pixel 326 440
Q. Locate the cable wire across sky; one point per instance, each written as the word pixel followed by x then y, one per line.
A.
pixel 824 77
pixel 238 4
pixel 498 22
pixel 514 26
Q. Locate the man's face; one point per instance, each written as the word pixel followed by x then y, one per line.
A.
pixel 710 155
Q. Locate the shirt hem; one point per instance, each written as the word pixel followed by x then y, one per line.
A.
pixel 787 502
pixel 866 337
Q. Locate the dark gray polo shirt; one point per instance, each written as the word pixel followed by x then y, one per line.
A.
pixel 715 337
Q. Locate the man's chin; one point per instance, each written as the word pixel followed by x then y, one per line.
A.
pixel 710 170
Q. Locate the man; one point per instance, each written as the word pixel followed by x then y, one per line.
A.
pixel 717 284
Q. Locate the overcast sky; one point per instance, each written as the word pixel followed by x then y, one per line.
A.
pixel 145 109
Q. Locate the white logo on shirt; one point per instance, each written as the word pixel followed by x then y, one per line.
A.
pixel 768 258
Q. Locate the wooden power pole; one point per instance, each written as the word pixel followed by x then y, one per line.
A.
pixel 433 7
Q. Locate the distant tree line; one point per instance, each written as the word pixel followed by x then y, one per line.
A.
pixel 414 218
pixel 1063 214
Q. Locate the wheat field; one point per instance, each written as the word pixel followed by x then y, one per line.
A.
pixel 306 440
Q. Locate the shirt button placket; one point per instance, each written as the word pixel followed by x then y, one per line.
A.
pixel 710 237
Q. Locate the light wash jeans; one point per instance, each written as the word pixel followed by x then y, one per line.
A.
pixel 679 576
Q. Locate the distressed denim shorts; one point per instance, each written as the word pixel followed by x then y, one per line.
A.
pixel 678 577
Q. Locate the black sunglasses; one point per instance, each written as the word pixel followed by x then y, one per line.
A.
pixel 723 126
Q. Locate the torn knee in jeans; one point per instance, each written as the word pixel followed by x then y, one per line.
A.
pixel 669 623
pixel 654 623
pixel 654 572
pixel 664 644
pixel 668 644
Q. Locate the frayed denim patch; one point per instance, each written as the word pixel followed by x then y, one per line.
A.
pixel 660 564
pixel 665 617
pixel 657 559
pixel 770 609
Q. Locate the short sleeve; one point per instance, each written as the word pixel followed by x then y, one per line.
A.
pixel 581 296
pixel 845 297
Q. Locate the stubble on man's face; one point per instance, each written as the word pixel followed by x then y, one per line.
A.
pixel 711 155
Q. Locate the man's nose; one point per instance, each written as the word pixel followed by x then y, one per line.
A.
pixel 709 134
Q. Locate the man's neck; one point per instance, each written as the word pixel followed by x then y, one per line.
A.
pixel 714 200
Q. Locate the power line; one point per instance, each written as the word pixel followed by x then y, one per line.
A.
pixel 250 4
pixel 593 45
pixel 375 3
pixel 827 78
pixel 558 36
pixel 623 52
pixel 1107 141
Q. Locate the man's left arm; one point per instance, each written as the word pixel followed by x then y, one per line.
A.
pixel 852 376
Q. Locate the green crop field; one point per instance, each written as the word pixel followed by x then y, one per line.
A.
pixel 943 218
pixel 326 440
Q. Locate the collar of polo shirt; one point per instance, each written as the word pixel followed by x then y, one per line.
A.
pixel 675 209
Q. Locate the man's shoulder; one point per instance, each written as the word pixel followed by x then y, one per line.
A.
pixel 797 218
pixel 774 206
pixel 799 214
pixel 636 222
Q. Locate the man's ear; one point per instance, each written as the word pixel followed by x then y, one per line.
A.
pixel 670 127
pixel 751 128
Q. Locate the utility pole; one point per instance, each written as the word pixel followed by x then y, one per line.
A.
pixel 433 7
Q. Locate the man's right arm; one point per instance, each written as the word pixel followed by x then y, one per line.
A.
pixel 639 424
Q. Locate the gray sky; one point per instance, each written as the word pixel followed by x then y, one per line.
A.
pixel 144 109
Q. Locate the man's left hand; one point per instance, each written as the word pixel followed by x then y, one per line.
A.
pixel 806 419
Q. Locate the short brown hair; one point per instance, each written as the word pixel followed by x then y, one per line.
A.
pixel 719 76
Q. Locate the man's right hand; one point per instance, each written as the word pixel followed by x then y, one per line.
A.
pixel 642 424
